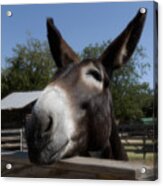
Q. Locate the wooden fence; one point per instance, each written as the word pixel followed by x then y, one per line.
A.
pixel 133 140
pixel 139 145
pixel 139 138
pixel 76 168
pixel 13 140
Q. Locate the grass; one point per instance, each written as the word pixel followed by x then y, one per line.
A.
pixel 149 158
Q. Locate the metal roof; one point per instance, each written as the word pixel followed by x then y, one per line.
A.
pixel 18 100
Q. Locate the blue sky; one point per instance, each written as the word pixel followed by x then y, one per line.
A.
pixel 80 24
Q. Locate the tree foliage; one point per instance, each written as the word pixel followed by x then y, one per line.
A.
pixel 31 67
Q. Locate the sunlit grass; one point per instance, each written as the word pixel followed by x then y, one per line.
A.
pixel 149 157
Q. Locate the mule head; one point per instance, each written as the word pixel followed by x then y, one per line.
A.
pixel 74 113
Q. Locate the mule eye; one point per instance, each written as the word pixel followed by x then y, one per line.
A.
pixel 95 74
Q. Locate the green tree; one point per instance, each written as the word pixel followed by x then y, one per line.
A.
pixel 30 67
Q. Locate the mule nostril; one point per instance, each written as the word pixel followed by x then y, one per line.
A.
pixel 49 125
pixel 84 105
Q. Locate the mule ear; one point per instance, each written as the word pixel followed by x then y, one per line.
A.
pixel 61 51
pixel 121 49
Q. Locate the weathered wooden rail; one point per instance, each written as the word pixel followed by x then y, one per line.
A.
pixel 139 145
pixel 139 138
pixel 76 168
pixel 13 139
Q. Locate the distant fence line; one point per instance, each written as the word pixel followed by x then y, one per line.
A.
pixel 139 138
pixel 13 139
pixel 135 139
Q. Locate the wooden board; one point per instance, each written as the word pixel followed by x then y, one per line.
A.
pixel 75 168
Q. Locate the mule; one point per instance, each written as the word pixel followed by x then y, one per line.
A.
pixel 74 113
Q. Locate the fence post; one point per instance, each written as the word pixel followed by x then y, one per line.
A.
pixel 21 140
pixel 144 150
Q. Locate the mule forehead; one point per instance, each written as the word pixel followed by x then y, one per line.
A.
pixel 77 78
pixel 72 70
pixel 79 83
pixel 86 62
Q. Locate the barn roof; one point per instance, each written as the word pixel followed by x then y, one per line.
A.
pixel 18 100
